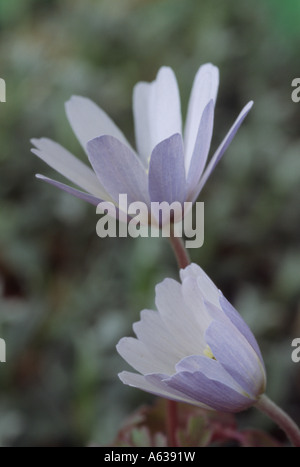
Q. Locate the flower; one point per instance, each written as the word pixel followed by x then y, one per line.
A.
pixel 195 349
pixel 168 167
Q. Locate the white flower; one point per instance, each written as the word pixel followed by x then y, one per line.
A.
pixel 196 348
pixel 169 164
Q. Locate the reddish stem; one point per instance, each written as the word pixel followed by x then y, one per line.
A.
pixel 182 256
pixel 172 423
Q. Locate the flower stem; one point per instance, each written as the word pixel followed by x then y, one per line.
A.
pixel 182 256
pixel 183 260
pixel 281 418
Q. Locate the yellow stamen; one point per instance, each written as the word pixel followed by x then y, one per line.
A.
pixel 208 353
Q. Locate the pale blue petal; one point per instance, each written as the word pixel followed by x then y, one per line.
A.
pixel 118 169
pixel 161 382
pixel 221 149
pixel 64 162
pixel 213 393
pixel 231 349
pixel 211 368
pixel 166 171
pixel 72 191
pixel 115 213
pixel 201 148
pixel 240 324
pixel 154 385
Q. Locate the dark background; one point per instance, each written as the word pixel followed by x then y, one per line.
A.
pixel 69 296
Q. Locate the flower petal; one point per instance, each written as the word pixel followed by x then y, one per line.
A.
pixel 221 150
pixel 152 331
pixel 206 288
pixel 176 316
pixel 108 207
pixel 166 171
pixel 198 315
pixel 232 350
pixel 213 393
pixel 157 113
pixel 192 270
pixel 154 385
pixel 137 354
pixel 72 191
pixel 201 148
pixel 240 324
pixel 205 88
pixel 118 169
pixel 69 166
pixel 212 369
pixel 89 121
pixel 219 368
pixel 142 123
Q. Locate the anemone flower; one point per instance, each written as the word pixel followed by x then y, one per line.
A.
pixel 196 348
pixel 169 165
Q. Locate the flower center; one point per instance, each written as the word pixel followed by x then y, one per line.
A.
pixel 208 353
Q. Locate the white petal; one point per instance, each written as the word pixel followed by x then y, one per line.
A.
pixel 141 114
pixel 195 303
pixel 152 331
pixel 207 289
pixel 178 318
pixel 69 166
pixel 89 121
pixel 192 270
pixel 140 358
pixel 205 88
pixel 157 113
